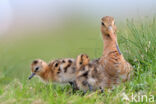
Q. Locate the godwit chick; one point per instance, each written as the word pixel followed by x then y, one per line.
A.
pixel 61 71
pixel 87 74
pixel 40 68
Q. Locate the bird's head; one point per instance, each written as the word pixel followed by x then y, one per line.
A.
pixel 108 27
pixel 37 67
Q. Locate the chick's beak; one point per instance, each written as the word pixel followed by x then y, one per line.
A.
pixel 32 75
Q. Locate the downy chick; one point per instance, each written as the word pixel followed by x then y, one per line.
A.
pixel 61 71
pixel 41 69
pixel 88 76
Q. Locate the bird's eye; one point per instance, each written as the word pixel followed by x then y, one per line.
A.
pixel 63 61
pixel 56 64
pixel 102 24
pixel 37 68
pixel 70 61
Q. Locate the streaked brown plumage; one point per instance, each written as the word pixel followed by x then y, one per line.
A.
pixel 87 75
pixel 112 61
pixel 41 69
pixel 61 70
pixel 82 72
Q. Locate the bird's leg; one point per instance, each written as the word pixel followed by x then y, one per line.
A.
pixel 74 86
pixel 102 91
pixel 90 87
pixel 84 92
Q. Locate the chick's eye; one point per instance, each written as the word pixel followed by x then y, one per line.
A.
pixel 56 64
pixel 102 24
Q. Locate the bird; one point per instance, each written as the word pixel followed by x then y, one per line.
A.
pixel 86 73
pixel 112 61
pixel 59 71
pixel 41 69
pixel 110 69
pixel 82 61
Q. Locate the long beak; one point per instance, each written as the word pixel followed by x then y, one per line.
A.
pixel 117 46
pixel 32 75
pixel 111 33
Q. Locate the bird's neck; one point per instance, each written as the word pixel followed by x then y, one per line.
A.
pixel 110 44
pixel 47 75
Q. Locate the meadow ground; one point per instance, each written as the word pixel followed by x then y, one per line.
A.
pixel 137 43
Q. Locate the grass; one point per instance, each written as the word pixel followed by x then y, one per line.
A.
pixel 137 43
